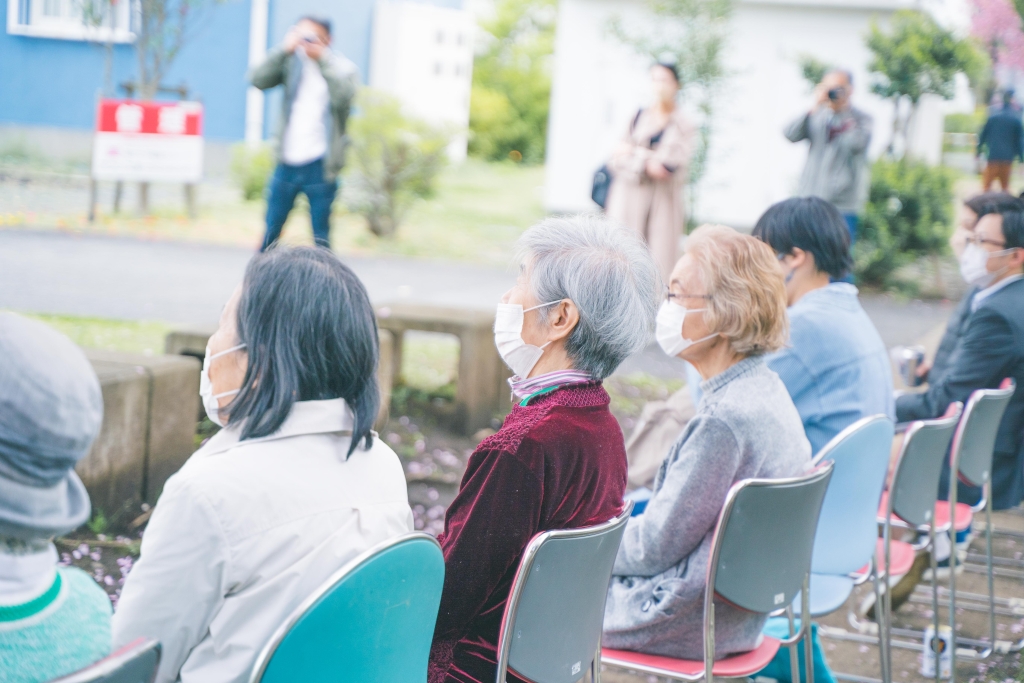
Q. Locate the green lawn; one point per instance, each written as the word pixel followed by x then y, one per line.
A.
pixel 478 211
pixel 112 335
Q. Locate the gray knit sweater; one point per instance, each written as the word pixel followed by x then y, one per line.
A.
pixel 746 427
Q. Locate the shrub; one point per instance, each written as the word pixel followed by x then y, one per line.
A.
pixel 393 161
pixel 909 215
pixel 965 123
pixel 251 166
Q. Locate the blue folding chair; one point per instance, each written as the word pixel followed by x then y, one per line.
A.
pixel 372 622
pixel 136 662
pixel 846 545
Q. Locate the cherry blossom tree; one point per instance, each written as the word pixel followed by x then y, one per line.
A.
pixel 997 25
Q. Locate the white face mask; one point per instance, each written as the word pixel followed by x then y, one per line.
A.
pixel 973 265
pixel 519 356
pixel 206 387
pixel 669 328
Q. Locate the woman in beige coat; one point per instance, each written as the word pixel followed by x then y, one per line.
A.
pixel 649 168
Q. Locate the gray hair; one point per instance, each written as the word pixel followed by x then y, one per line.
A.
pixel 608 272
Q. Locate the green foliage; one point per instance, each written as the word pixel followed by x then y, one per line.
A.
pixel 99 523
pixel 394 160
pixel 508 108
pixel 909 215
pixel 813 69
pixel 917 56
pixel 251 167
pixel 965 123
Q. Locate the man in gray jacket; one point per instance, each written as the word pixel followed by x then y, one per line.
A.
pixel 839 136
pixel 318 89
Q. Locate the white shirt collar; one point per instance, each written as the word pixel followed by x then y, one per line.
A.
pixel 992 289
pixel 332 416
pixel 26 575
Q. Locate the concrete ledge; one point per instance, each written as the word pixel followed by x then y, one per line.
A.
pixel 150 405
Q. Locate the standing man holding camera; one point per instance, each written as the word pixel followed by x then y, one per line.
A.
pixel 839 135
pixel 319 86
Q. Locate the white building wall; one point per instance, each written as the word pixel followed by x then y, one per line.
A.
pixel 599 84
pixel 423 55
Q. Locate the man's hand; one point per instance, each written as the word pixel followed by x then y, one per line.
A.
pixel 820 97
pixel 656 170
pixel 921 372
pixel 291 40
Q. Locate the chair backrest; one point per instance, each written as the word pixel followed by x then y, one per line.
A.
pixel 975 438
pixel 761 550
pixel 372 622
pixel 915 483
pixel 136 662
pixel 848 528
pixel 552 625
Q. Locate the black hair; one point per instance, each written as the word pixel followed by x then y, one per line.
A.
pixel 993 202
pixel 811 224
pixel 1013 228
pixel 311 335
pixel 1008 97
pixel 322 22
pixel 671 66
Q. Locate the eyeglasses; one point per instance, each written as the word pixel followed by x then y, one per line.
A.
pixel 975 239
pixel 672 295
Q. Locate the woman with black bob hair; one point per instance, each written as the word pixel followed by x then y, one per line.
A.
pixel 294 485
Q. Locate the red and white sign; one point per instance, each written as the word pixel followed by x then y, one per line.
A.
pixel 148 141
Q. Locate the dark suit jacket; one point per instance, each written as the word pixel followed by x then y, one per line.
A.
pixel 955 329
pixel 990 349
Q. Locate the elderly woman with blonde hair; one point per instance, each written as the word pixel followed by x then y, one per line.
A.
pixel 725 308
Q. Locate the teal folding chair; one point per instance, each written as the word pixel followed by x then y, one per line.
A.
pixel 372 622
pixel 760 561
pixel 551 629
pixel 136 662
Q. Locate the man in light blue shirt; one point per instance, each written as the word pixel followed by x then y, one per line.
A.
pixel 835 366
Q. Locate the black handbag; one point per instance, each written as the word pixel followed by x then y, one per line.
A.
pixel 602 182
pixel 603 176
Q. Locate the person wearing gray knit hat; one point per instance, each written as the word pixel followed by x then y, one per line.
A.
pixel 53 619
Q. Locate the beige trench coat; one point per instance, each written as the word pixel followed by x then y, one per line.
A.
pixel 654 208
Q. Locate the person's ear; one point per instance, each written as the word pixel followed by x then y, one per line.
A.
pixel 563 319
pixel 798 258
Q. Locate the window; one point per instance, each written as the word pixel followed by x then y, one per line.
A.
pixel 95 20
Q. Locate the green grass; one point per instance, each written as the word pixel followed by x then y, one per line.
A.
pixel 479 210
pixel 111 335
pixel 429 360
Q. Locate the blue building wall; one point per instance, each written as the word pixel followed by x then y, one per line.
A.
pixel 48 82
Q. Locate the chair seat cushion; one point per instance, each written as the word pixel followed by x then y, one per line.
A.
pixel 828 593
pixel 964 513
pixel 734 666
pixel 901 558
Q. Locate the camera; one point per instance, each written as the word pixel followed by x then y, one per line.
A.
pixel 836 94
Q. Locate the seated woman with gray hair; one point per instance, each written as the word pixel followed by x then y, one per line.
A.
pixel 725 308
pixel 53 620
pixel 294 486
pixel 585 299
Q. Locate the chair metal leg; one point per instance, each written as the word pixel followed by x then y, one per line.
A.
pixel 878 610
pixel 794 665
pixel 805 623
pixel 595 667
pixel 988 554
pixel 952 582
pixel 929 650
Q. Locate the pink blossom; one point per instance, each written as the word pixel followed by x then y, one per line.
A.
pixel 996 21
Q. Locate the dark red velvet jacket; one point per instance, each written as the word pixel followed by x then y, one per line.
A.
pixel 557 463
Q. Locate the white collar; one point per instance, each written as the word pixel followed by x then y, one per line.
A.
pixel 332 416
pixel 26 575
pixel 992 289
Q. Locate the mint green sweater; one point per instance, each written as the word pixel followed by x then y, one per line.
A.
pixel 56 634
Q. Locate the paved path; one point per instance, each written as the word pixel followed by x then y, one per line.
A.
pixel 184 283
pixel 127 279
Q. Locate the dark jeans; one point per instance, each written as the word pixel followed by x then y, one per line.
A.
pixel 852 223
pixel 285 185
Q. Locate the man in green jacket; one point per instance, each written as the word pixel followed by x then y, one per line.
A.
pixel 318 89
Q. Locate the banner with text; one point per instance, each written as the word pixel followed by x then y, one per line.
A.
pixel 148 141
